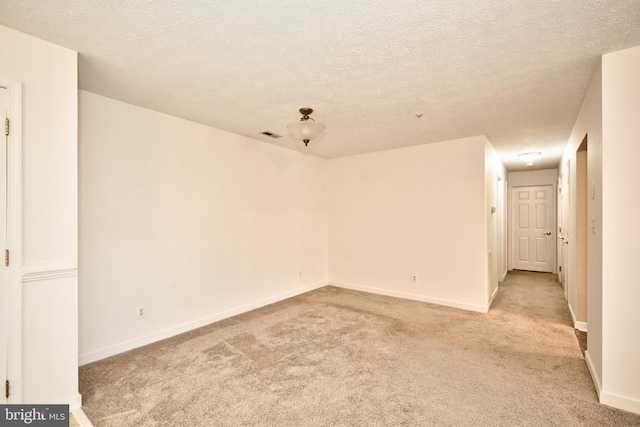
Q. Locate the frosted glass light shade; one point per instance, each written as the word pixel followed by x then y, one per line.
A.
pixel 305 129
pixel 529 157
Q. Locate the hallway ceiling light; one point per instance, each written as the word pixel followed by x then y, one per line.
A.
pixel 307 128
pixel 529 158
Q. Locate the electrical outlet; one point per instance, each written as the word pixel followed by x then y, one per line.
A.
pixel 414 278
pixel 141 312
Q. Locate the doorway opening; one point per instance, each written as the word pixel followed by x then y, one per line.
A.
pixel 578 297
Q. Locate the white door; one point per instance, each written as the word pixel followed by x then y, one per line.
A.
pixel 4 289
pixel 533 228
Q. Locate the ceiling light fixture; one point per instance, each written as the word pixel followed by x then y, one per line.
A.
pixel 307 128
pixel 529 158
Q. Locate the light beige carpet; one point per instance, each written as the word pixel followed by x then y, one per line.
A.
pixel 335 357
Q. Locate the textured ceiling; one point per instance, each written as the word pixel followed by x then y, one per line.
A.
pixel 514 70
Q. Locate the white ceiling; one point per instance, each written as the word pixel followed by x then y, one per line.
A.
pixel 514 70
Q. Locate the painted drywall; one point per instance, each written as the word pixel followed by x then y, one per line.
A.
pixel 50 347
pixel 608 117
pixel 414 211
pixel 533 178
pixel 620 229
pixel 495 174
pixel 578 296
pixel 193 223
pixel 589 123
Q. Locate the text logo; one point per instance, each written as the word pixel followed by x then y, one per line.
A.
pixel 34 415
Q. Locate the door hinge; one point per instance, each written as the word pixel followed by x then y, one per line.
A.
pixel 560 268
pixel 6 257
pixel 6 126
pixel 6 389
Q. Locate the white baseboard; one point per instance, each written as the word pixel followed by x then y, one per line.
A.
pixel 75 402
pixel 592 370
pixel 493 296
pixel 189 326
pixel 422 298
pixel 608 398
pixel 620 402
pixel 581 326
pixel 81 418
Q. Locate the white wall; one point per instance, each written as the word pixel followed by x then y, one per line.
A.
pixel 495 212
pixel 49 76
pixel 609 117
pixel 533 178
pixel 417 210
pixel 620 229
pixel 192 222
pixel 589 122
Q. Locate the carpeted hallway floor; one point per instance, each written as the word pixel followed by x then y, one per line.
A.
pixel 336 357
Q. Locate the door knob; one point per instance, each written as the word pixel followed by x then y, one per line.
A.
pixel 548 233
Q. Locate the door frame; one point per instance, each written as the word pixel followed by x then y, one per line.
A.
pixel 564 209
pixel 553 226
pixel 14 239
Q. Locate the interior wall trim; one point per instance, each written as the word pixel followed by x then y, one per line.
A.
pixel 422 298
pixel 75 402
pixel 49 270
pixel 581 326
pixel 594 374
pixel 621 402
pixel 494 294
pixel 81 418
